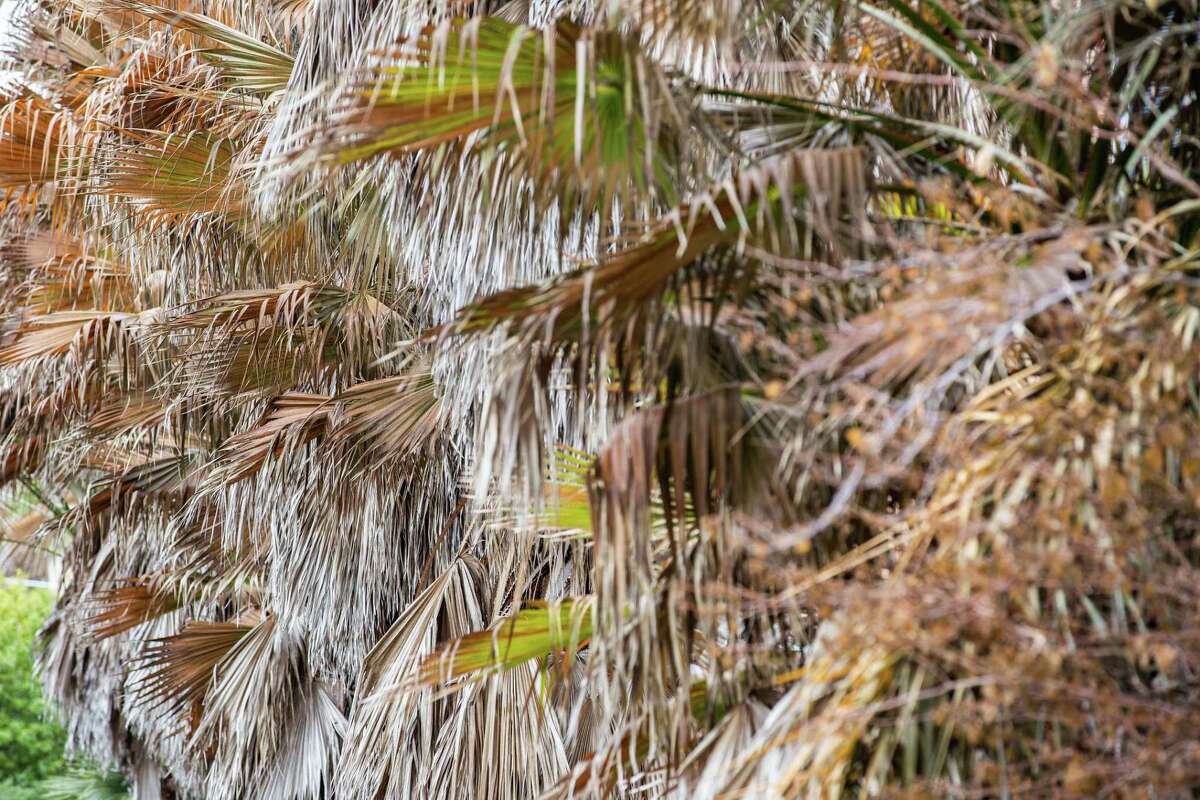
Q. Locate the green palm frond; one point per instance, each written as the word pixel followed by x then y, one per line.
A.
pixel 85 782
pixel 577 111
pixel 558 628
pixel 168 176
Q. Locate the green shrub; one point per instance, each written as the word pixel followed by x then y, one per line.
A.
pixel 31 746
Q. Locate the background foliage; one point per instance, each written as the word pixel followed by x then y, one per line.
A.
pixel 31 742
pixel 32 762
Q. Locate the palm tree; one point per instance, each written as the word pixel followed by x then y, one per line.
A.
pixel 670 398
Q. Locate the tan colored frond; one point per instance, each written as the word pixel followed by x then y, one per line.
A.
pixel 21 456
pixel 166 479
pixel 126 413
pixel 32 135
pixel 285 305
pixel 19 553
pixel 766 205
pixel 62 274
pixel 248 64
pixel 55 334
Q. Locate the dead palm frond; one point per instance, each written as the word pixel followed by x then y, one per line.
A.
pixel 32 135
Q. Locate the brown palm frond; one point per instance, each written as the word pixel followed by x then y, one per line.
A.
pixel 387 711
pixel 250 365
pixel 388 418
pixel 758 205
pixel 265 669
pixel 807 403
pixel 41 249
pixel 154 92
pixel 255 341
pixel 62 274
pixel 884 347
pixel 291 304
pixel 40 40
pixel 289 421
pixel 20 456
pixel 127 604
pixel 126 413
pixel 18 551
pixel 168 479
pixel 181 668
